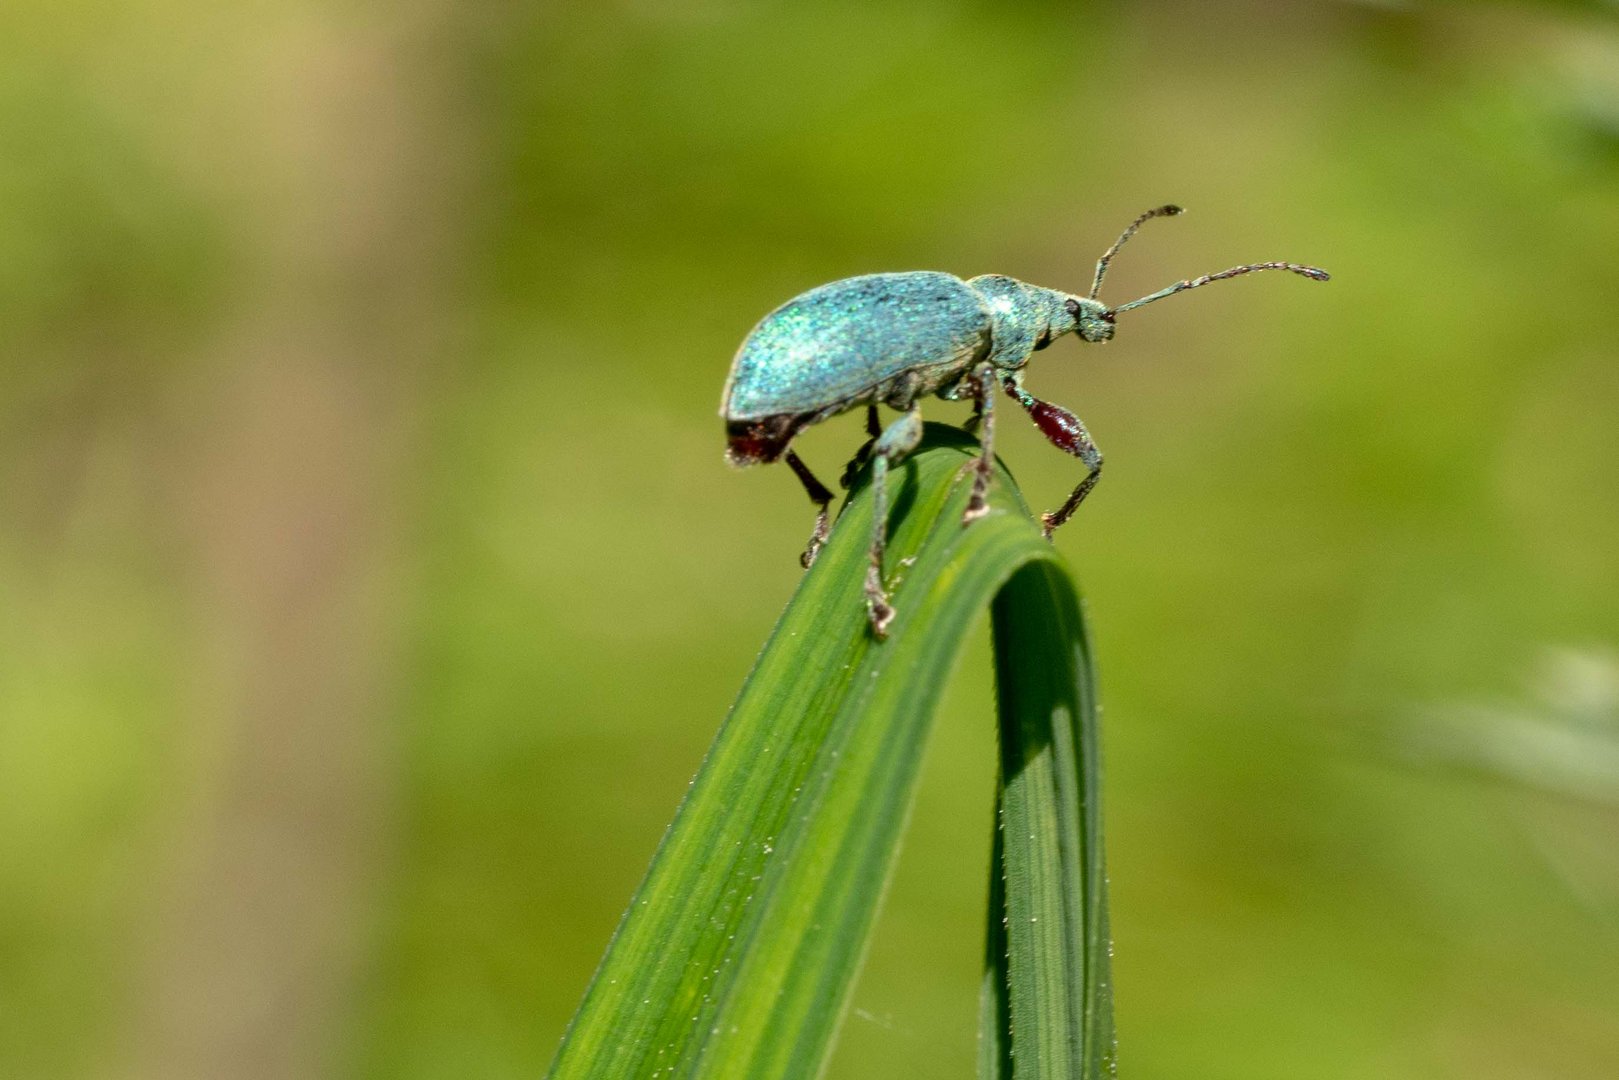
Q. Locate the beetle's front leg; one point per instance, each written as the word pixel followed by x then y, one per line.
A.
pixel 984 467
pixel 891 447
pixel 1066 432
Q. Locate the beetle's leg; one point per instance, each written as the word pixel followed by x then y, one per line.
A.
pixel 1066 432
pixel 970 424
pixel 892 445
pixel 822 498
pixel 874 428
pixel 984 467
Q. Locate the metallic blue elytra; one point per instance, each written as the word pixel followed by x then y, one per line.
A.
pixel 893 339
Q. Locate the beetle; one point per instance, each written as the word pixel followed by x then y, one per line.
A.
pixel 895 338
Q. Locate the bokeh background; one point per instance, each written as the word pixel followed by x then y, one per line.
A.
pixel 371 583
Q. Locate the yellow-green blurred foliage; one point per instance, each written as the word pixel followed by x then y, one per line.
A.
pixel 371 581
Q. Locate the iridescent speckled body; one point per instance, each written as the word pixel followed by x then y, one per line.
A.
pixel 892 339
pixel 888 338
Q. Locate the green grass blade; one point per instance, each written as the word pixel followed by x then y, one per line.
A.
pixel 1049 988
pixel 736 956
pixel 994 1001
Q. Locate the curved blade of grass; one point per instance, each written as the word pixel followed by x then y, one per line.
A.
pixel 736 956
pixel 1047 1010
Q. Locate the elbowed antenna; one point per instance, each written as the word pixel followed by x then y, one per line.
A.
pixel 1311 272
pixel 1107 256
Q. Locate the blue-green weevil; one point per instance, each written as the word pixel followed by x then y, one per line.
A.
pixel 894 338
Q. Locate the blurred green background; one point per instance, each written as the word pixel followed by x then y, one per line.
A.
pixel 371 582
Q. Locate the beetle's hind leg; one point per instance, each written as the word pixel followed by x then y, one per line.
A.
pixel 984 467
pixel 1066 432
pixel 874 428
pixel 900 438
pixel 819 495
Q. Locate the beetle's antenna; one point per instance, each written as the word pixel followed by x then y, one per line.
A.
pixel 1107 256
pixel 1310 272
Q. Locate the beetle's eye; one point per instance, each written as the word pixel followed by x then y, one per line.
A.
pixel 1072 306
pixel 1107 317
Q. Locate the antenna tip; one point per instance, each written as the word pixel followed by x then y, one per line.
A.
pixel 1315 273
pixel 1170 210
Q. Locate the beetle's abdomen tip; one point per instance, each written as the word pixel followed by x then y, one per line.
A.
pixel 758 442
pixel 740 455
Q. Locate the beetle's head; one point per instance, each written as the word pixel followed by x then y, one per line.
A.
pixel 1092 319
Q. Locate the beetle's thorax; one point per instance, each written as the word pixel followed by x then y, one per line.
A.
pixel 1024 318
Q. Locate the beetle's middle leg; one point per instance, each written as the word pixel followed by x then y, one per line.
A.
pixel 984 467
pixel 874 428
pixel 892 446
pixel 819 495
pixel 970 425
pixel 1066 432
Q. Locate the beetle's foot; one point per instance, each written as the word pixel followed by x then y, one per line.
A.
pixel 881 614
pixel 977 504
pixel 1048 524
pixel 878 609
pixel 817 540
